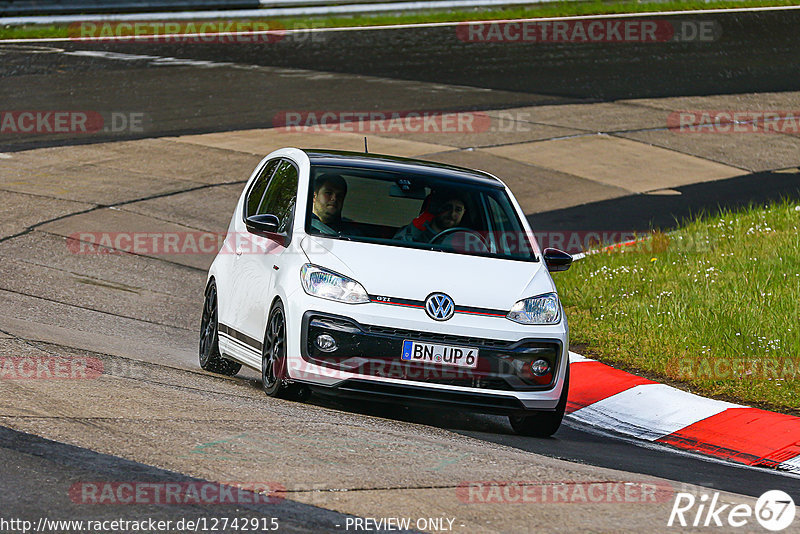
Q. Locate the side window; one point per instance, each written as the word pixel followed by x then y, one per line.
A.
pixel 279 197
pixel 259 187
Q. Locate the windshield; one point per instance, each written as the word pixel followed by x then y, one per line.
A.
pixel 415 211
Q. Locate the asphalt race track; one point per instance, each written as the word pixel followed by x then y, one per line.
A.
pixel 734 60
pixel 750 52
pixel 184 89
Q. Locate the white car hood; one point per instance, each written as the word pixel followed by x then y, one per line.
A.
pixel 400 272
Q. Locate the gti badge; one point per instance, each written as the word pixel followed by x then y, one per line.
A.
pixel 439 307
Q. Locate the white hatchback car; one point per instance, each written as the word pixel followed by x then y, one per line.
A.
pixel 390 278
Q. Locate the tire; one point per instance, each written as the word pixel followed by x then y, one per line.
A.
pixel 274 376
pixel 210 358
pixel 542 424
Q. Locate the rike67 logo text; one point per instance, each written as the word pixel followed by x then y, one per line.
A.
pixel 774 511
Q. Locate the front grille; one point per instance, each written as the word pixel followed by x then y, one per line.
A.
pixel 439 338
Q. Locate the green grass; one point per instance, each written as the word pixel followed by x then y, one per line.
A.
pixel 713 307
pixel 557 9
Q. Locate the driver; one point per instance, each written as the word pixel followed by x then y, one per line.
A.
pixel 326 213
pixel 445 211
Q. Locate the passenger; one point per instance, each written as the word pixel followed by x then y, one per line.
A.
pixel 445 210
pixel 330 191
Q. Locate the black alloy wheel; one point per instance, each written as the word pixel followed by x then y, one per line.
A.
pixel 210 358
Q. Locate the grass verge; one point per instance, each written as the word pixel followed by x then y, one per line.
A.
pixel 555 9
pixel 713 307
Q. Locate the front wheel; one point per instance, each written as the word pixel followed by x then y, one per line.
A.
pixel 210 358
pixel 542 424
pixel 274 377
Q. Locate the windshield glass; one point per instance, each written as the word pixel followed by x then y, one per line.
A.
pixel 416 211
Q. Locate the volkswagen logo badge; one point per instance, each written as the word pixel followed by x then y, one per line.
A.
pixel 439 307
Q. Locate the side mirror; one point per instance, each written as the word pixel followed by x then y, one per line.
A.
pixel 557 260
pixel 262 225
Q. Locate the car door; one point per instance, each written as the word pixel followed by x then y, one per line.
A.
pixel 274 192
pixel 225 258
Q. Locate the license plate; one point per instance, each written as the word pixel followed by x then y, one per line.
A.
pixel 414 351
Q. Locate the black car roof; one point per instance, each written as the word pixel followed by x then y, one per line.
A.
pixel 382 162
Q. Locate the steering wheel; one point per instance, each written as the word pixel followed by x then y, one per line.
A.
pixel 438 238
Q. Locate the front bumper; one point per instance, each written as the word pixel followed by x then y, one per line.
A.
pixel 367 363
pixel 426 396
pixel 374 351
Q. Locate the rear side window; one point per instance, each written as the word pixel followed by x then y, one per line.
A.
pixel 279 197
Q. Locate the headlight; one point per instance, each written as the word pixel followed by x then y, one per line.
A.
pixel 329 285
pixel 544 309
